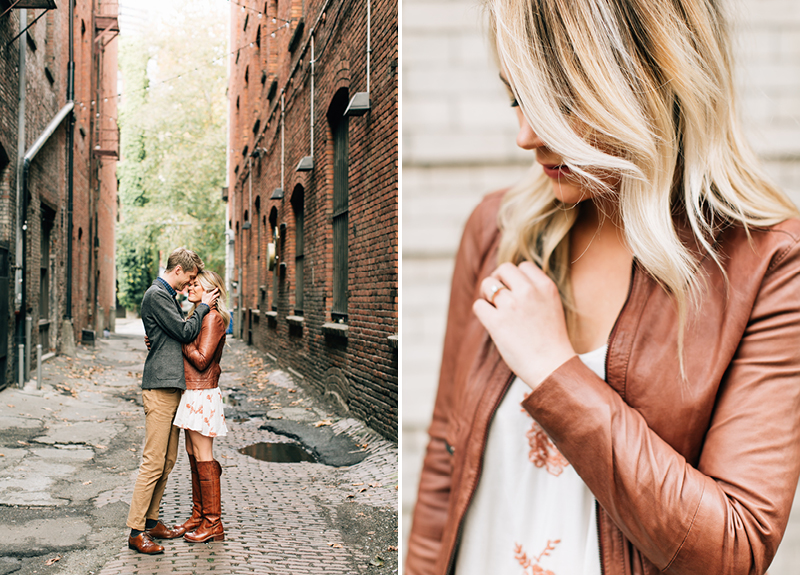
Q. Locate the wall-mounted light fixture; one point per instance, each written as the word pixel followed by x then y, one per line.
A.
pixel 277 194
pixel 306 164
pixel 359 103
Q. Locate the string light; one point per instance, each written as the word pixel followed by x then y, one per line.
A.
pixel 179 76
pixel 256 10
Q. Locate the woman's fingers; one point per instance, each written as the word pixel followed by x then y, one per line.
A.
pixel 491 288
pixel 522 311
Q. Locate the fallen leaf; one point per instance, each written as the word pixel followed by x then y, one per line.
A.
pixel 357 484
pixel 392 548
pixel 378 484
pixel 377 562
pixel 53 560
pixel 22 442
pixel 9 405
pixel 323 422
pixel 336 545
pixel 99 446
pixel 87 482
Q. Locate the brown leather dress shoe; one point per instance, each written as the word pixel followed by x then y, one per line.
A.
pixel 161 531
pixel 143 544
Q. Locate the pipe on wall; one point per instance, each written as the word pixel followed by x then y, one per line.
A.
pixel 19 254
pixel 70 153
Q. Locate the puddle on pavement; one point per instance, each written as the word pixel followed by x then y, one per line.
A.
pixel 278 452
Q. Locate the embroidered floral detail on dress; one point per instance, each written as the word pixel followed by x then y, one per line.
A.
pixel 193 410
pixel 531 564
pixel 543 452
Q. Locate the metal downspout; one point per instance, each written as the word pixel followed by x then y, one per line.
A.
pixel 19 254
pixel 70 153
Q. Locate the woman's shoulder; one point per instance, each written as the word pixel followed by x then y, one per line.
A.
pixel 213 316
pixel 481 226
pixel 773 244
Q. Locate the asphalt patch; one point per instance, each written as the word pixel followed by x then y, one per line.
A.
pixel 328 447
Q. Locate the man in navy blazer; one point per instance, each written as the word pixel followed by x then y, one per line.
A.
pixel 162 384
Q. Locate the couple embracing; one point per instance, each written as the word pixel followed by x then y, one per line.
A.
pixel 180 390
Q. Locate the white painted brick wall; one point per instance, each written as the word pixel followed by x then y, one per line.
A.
pixel 458 144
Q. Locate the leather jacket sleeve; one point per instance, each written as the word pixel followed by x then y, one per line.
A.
pixel 430 511
pixel 727 513
pixel 200 352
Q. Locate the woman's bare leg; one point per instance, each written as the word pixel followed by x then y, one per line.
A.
pixel 202 446
pixel 188 442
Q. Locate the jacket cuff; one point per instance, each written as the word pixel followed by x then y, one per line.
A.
pixel 562 401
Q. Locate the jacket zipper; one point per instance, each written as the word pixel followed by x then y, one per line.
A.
pixel 474 483
pixel 598 510
pixel 599 538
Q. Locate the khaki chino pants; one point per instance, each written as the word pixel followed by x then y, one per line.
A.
pixel 159 454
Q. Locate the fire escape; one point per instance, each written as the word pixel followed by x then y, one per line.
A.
pixel 106 131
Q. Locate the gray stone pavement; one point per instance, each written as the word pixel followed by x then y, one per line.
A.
pixel 69 455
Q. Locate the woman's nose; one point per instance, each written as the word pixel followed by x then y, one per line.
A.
pixel 526 137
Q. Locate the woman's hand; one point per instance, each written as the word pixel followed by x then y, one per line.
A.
pixel 523 314
pixel 210 298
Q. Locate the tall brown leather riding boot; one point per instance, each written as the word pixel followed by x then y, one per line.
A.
pixel 211 528
pixel 197 512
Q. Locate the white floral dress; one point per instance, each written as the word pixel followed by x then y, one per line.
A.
pixel 531 513
pixel 201 410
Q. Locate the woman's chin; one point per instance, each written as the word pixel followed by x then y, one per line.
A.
pixel 570 194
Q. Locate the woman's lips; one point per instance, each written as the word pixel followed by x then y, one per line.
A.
pixel 556 172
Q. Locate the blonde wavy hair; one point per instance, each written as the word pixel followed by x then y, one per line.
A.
pixel 210 280
pixel 642 89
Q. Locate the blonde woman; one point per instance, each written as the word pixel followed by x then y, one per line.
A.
pixel 621 373
pixel 200 412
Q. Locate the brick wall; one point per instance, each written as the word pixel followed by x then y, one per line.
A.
pixel 358 365
pixel 47 235
pixel 458 136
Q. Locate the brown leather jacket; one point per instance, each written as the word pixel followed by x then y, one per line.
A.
pixel 201 357
pixel 690 477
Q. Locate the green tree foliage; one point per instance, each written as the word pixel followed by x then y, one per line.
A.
pixel 173 129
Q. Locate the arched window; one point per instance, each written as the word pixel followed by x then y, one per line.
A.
pixel 339 130
pixel 299 248
pixel 258 242
pixel 273 222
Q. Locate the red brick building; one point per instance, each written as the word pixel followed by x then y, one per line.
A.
pixel 313 188
pixel 58 152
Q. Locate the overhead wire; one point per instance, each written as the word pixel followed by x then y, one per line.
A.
pixel 202 66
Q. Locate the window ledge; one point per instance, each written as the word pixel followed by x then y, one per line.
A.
pixel 295 319
pixel 335 329
pixel 271 314
pixel 393 339
pixel 255 311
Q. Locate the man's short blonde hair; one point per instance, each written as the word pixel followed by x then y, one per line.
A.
pixel 187 259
